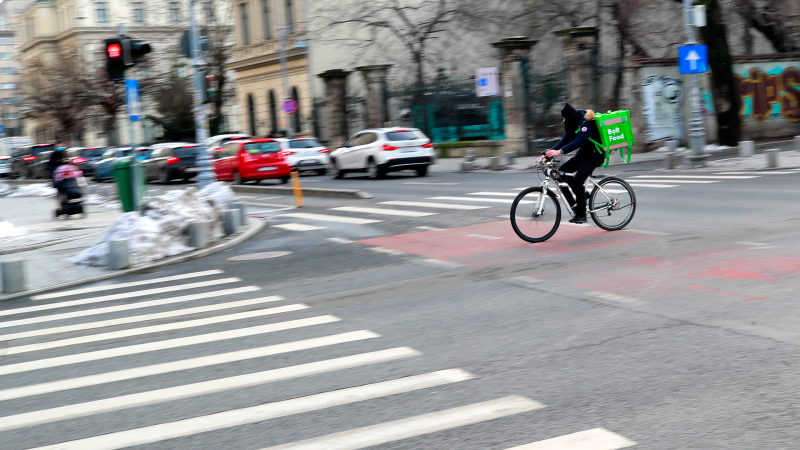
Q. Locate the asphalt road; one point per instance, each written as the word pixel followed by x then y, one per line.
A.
pixel 435 327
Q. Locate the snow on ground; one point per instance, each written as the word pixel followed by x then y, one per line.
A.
pixel 4 188
pixel 34 190
pixel 102 202
pixel 162 231
pixel 8 230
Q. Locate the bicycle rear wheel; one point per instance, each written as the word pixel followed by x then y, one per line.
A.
pixel 612 204
pixel 529 225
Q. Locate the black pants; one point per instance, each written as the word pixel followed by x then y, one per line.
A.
pixel 583 168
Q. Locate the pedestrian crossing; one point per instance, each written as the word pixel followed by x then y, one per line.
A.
pixel 95 342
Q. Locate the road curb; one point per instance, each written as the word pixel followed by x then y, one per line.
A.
pixel 311 192
pixel 25 181
pixel 45 244
pixel 256 226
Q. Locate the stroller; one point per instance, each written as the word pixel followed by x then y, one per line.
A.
pixel 69 182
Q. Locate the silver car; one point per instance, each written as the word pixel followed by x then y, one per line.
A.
pixel 306 154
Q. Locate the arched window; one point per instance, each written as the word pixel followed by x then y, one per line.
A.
pixel 296 115
pixel 273 114
pixel 251 114
pixel 290 15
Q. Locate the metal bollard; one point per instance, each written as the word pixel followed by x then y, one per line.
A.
pixel 13 276
pixel 230 222
pixel 241 208
pixel 119 254
pixel 467 166
pixel 797 143
pixel 470 155
pixel 672 145
pixel 669 161
pixel 510 156
pixel 746 149
pixel 495 163
pixel 772 158
pixel 198 234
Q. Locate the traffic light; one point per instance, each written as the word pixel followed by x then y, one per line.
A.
pixel 139 49
pixel 210 88
pixel 122 53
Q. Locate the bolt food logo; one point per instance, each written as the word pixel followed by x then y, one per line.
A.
pixel 615 134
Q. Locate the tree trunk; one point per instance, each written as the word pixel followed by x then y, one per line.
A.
pixel 723 82
pixel 769 22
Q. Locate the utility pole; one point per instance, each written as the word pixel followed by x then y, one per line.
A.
pixel 205 175
pixel 697 131
pixel 283 31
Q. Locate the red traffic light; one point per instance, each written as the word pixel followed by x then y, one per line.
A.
pixel 114 51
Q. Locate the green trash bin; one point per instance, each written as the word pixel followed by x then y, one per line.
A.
pixel 126 170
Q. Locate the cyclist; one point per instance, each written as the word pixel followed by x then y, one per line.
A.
pixel 581 134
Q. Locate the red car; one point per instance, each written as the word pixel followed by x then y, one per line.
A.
pixel 251 160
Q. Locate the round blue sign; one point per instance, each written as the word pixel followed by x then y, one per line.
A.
pixel 289 106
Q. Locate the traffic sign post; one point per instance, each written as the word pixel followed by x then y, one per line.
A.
pixel 693 59
pixel 289 106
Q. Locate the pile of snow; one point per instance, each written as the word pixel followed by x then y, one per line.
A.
pixel 103 202
pixel 8 230
pixel 715 148
pixel 4 188
pixel 162 231
pixel 34 190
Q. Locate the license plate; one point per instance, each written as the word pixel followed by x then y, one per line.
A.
pixel 409 150
pixel 308 161
pixel 266 169
pixel 190 169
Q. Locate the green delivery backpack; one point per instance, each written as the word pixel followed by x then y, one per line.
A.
pixel 615 134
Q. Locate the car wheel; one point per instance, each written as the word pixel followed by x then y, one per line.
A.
pixel 284 180
pixel 422 171
pixel 164 177
pixel 237 178
pixel 321 172
pixel 373 171
pixel 336 172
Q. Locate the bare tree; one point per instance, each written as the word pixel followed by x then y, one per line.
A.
pixel 220 52
pixel 767 18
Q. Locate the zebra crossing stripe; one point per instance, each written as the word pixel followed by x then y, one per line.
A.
pixel 128 307
pixel 701 177
pixel 297 227
pixel 386 212
pixel 202 388
pixel 596 439
pixel 193 363
pixel 125 295
pixel 140 318
pixel 475 199
pixel 163 345
pixel 416 426
pixel 329 218
pixel 434 205
pixel 126 285
pixel 260 413
pixel 500 194
pixel 148 330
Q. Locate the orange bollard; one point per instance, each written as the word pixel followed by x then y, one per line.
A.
pixel 298 191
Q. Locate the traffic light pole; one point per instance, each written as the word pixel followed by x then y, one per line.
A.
pixel 205 175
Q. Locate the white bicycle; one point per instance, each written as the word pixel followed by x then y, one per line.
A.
pixel 536 212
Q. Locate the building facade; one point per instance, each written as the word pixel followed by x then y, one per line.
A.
pixel 50 29
pixel 9 70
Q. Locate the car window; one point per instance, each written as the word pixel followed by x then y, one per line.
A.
pixel 91 152
pixel 42 149
pixel 352 141
pixel 304 143
pixel 260 148
pixel 184 152
pixel 403 135
pixel 230 149
pixel 109 154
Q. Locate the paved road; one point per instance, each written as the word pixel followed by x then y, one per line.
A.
pixel 424 323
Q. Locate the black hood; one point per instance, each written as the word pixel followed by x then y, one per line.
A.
pixel 571 115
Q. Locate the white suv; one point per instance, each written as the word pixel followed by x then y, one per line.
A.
pixel 382 150
pixel 305 154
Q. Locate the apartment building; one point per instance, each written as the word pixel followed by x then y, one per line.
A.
pixel 9 70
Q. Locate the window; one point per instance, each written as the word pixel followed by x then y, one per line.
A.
pixel 304 143
pixel 260 148
pixel 5 55
pixel 11 115
pixel 10 101
pixel 174 11
pixel 251 114
pixel 138 12
pixel 265 17
pixel 208 7
pixel 273 113
pixel 296 116
pixel 101 11
pixel 8 86
pixel 365 139
pixel 9 70
pixel 290 15
pixel 402 136
pixel 245 26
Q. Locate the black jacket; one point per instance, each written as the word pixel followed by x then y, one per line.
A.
pixel 579 139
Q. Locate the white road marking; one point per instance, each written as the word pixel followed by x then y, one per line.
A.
pixel 483 236
pixel 434 205
pixel 673 180
pixel 140 318
pixel 416 426
pixel 528 280
pixel 126 285
pixel 440 262
pixel 596 439
pixel 297 227
pixel 386 212
pixel 657 186
pixel 128 307
pixel 433 184
pixel 258 197
pixel 186 364
pixel 431 228
pixel 328 218
pixel 260 413
pixel 518 189
pixel 147 330
pixel 339 240
pixel 769 172
pixel 124 295
pixel 163 345
pixel 702 177
pixel 388 251
pixel 475 199
pixel 271 205
pixel 614 297
pixel 501 194
pixel 202 388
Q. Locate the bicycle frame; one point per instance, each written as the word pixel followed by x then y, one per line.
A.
pixel 546 187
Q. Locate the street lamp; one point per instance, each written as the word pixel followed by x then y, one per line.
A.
pixel 205 174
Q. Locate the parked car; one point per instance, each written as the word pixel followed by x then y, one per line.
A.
pixel 215 143
pixel 252 160
pixel 171 161
pixel 383 150
pixel 306 154
pixel 84 158
pixel 101 170
pixel 5 166
pixel 30 161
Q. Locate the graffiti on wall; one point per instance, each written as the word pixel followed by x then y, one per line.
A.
pixel 769 95
pixel 663 100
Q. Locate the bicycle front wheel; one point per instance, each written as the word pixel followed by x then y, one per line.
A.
pixel 612 204
pixel 535 216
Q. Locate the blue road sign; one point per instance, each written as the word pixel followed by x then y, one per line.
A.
pixel 133 100
pixel 289 106
pixel 483 82
pixel 693 58
pixel 2 129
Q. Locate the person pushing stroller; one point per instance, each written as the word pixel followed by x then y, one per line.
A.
pixel 69 182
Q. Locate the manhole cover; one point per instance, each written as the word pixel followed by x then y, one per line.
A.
pixel 254 256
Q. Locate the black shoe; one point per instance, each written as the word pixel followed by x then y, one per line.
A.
pixel 578 219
